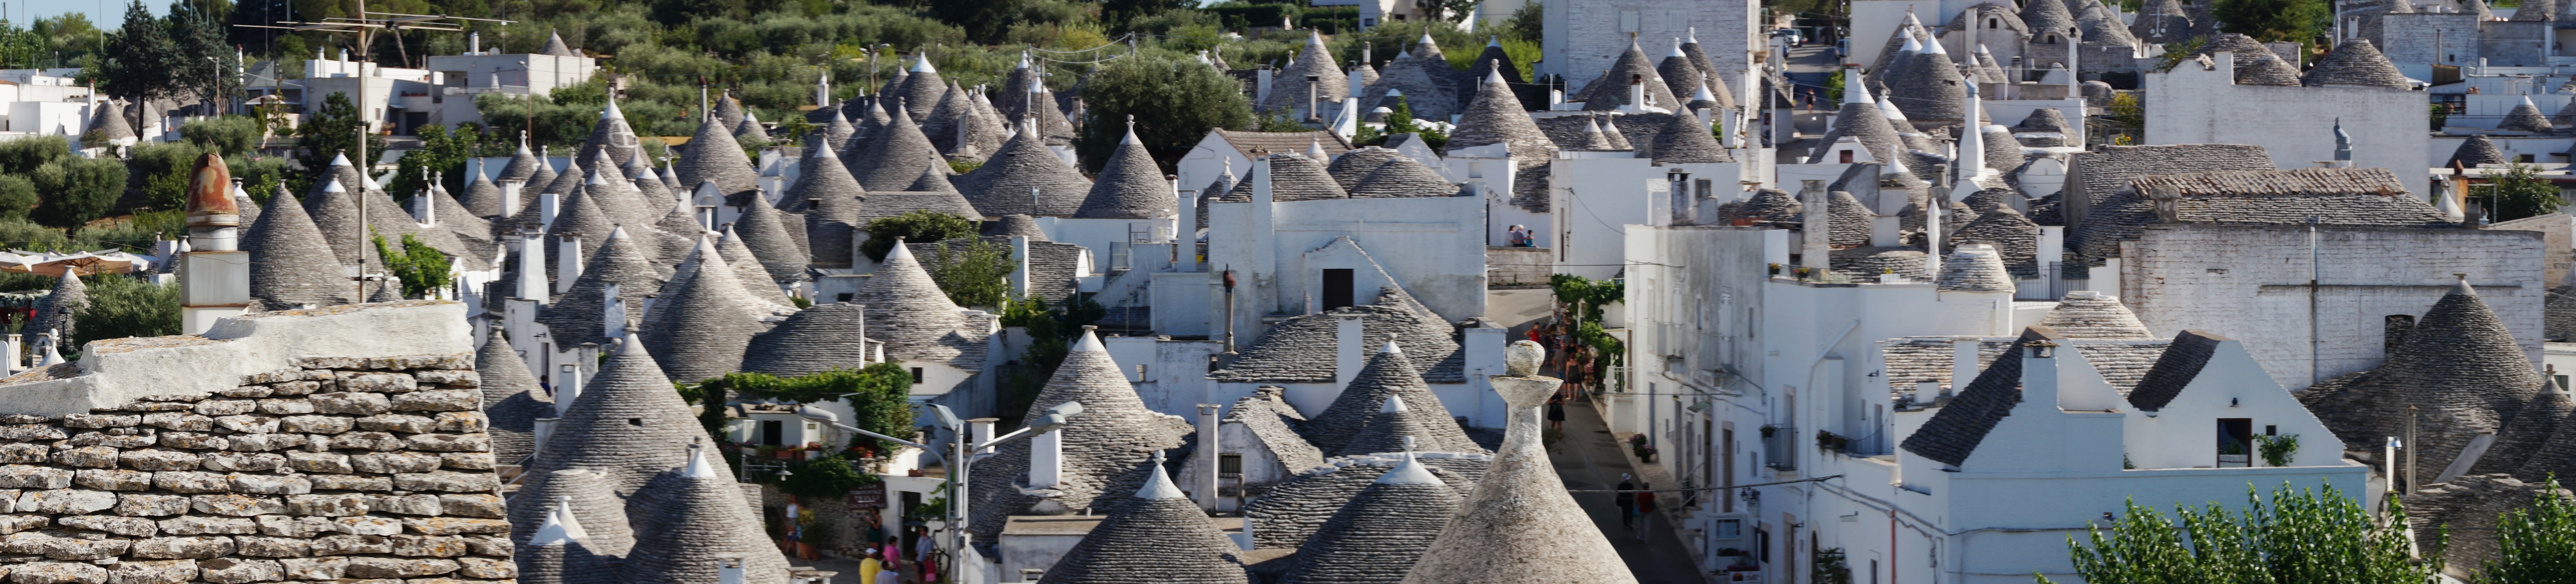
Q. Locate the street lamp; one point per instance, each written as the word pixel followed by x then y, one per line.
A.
pixel 959 449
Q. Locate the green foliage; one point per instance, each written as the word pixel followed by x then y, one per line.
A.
pixel 205 61
pixel 2128 115
pixel 1051 332
pixel 260 175
pixel 226 134
pixel 1834 88
pixel 1528 23
pixel 964 166
pixel 421 268
pixel 1173 100
pixel 2441 114
pixel 1583 303
pixel 26 235
pixel 1830 567
pixel 1399 120
pixel 440 152
pixel 142 62
pixel 2273 20
pixel 916 226
pixel 72 191
pixel 124 306
pixel 2177 52
pixel 161 170
pixel 1281 122
pixel 2521 192
pixel 132 232
pixel 2277 450
pixel 21 48
pixel 2536 545
pixel 329 132
pixel 973 276
pixel 826 477
pixel 2298 537
pixel 880 393
pixel 24 155
pixel 17 197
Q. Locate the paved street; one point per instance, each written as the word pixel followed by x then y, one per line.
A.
pixel 1589 458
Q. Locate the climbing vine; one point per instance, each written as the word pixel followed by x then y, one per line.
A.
pixel 1580 303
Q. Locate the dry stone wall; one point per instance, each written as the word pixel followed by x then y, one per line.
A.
pixel 353 470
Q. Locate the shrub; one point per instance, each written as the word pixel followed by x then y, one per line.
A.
pixel 26 235
pixel 917 227
pixel 1174 101
pixel 421 268
pixel 226 134
pixel 124 306
pixel 24 155
pixel 72 191
pixel 17 197
pixel 160 172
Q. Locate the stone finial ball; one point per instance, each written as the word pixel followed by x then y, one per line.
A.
pixel 1522 358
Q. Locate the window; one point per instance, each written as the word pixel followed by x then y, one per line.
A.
pixel 1846 156
pixel 1991 23
pixel 1337 288
pixel 772 432
pixel 1728 528
pixel 634 421
pixel 845 296
pixel 1229 464
pixel 916 376
pixel 2562 381
pixel 2235 442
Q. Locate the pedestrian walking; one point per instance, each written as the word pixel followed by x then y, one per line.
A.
pixel 1626 499
pixel 1646 507
pixel 1556 413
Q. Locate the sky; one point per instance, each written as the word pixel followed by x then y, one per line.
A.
pixel 105 13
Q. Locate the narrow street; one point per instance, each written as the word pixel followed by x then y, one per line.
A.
pixel 1589 458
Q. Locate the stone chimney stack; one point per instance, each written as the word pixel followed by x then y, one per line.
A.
pixel 217 282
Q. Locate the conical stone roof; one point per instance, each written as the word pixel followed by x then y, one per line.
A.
pixel 557 558
pixel 699 522
pixel 941 124
pixel 833 197
pixel 1681 77
pixel 582 219
pixel 610 135
pixel 1520 524
pixel 922 88
pixel 814 340
pixel 1376 537
pixel 601 430
pixel 1610 90
pixel 1976 268
pixel 713 155
pixel 541 177
pixel 764 230
pixel 1350 167
pixel 1388 374
pixel 335 213
pixel 1686 140
pixel 2356 62
pixel 555 46
pixel 512 401
pixel 1717 83
pixel 482 198
pixel 894 158
pixel 1130 186
pixel 291 265
pixel 576 316
pixel 728 109
pixel 2086 314
pixel 1495 116
pixel 1292 178
pixel 2525 118
pixel 838 130
pixel 59 311
pixel 749 131
pixel 1105 448
pixel 1025 177
pixel 709 324
pixel 583 496
pixel 748 269
pixel 1331 85
pixel 1403 177
pixel 2478 150
pixel 908 311
pixel 1933 94
pixel 1158 535
pixel 2014 237
pixel 2459 367
pixel 1392 429
pixel 523 164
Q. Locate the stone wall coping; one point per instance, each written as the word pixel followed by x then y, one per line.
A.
pixel 115 372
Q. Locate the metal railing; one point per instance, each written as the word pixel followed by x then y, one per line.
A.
pixel 1780 447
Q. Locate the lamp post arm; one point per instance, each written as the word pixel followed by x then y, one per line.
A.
pixel 1023 432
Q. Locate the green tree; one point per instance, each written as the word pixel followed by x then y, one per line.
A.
pixel 916 227
pixel 24 155
pixel 973 276
pixel 204 69
pixel 2273 20
pixel 226 134
pixel 1399 120
pixel 124 306
pixel 1174 104
pixel 161 171
pixel 72 191
pixel 260 175
pixel 142 62
pixel 422 269
pixel 2536 545
pixel 2521 192
pixel 1529 23
pixel 441 152
pixel 329 132
pixel 2297 537
pixel 17 197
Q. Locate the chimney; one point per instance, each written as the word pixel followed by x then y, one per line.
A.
pixel 218 282
pixel 510 196
pixel 1637 93
pixel 567 383
pixel 1261 84
pixel 2039 373
pixel 1963 363
pixel 2167 200
pixel 567 262
pixel 1815 249
pixel 981 431
pixel 548 206
pixel 1020 266
pixel 1046 460
pixel 422 211
pixel 532 267
pixel 17 352
pixel 612 318
pixel 1350 348
pixel 1208 445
